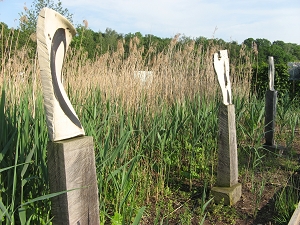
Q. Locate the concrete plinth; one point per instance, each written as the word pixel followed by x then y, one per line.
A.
pixel 230 194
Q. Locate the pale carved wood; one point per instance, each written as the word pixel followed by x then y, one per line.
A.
pixel 221 65
pixel 54 34
pixel 271 73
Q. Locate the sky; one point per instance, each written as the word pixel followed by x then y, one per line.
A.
pixel 230 20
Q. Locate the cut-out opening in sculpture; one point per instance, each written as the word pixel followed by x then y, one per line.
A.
pixel 221 65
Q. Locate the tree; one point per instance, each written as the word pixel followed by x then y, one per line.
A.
pixel 111 38
pixel 249 43
pixel 29 17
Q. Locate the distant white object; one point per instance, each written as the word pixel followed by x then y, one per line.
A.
pixel 221 65
pixel 54 34
pixel 294 70
pixel 145 77
pixel 271 73
pixel 22 76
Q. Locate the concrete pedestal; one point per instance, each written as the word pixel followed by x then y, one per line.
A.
pixel 230 194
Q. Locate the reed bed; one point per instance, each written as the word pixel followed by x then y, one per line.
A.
pixel 150 138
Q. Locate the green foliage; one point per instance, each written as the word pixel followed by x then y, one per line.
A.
pixel 29 17
pixel 286 201
pixel 219 213
pixel 260 79
pixel 23 145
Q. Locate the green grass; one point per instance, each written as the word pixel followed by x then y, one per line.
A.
pixel 142 158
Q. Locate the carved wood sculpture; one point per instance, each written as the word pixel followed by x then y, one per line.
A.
pixel 271 73
pixel 221 64
pixel 54 34
pixel 270 108
pixel 227 187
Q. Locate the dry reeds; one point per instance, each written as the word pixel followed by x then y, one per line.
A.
pixel 179 72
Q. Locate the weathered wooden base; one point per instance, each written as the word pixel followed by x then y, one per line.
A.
pixel 270 108
pixel 71 165
pixel 230 194
pixel 227 186
pixel 227 174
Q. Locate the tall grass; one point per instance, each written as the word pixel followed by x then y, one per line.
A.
pixel 150 141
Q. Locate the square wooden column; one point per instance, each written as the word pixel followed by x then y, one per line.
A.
pixel 270 116
pixel 71 165
pixel 227 186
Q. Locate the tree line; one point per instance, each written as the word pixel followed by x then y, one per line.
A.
pixel 97 42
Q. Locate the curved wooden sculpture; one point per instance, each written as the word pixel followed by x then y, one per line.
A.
pixel 221 64
pixel 271 73
pixel 54 34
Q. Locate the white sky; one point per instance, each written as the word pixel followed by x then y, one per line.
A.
pixel 235 20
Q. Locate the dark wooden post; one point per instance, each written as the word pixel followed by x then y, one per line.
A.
pixel 270 116
pixel 270 108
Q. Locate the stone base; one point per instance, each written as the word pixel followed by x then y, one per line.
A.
pixel 270 147
pixel 230 194
pixel 275 148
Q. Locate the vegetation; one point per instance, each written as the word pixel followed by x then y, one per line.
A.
pixel 155 144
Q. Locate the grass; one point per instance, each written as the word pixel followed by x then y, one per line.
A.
pixel 155 145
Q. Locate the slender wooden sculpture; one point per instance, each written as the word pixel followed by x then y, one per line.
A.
pixel 54 34
pixel 221 65
pixel 270 108
pixel 227 187
pixel 271 73
pixel 71 157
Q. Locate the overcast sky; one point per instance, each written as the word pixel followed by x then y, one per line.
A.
pixel 230 20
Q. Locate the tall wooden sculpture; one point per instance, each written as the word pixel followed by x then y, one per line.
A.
pixel 227 187
pixel 71 159
pixel 54 34
pixel 270 108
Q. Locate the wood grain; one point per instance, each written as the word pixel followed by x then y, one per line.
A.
pixel 227 174
pixel 71 165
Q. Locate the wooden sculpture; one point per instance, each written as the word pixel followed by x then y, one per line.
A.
pixel 71 156
pixel 221 64
pixel 54 34
pixel 227 186
pixel 271 73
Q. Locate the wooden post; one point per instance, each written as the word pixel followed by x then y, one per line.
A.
pixel 71 165
pixel 227 161
pixel 270 108
pixel 227 187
